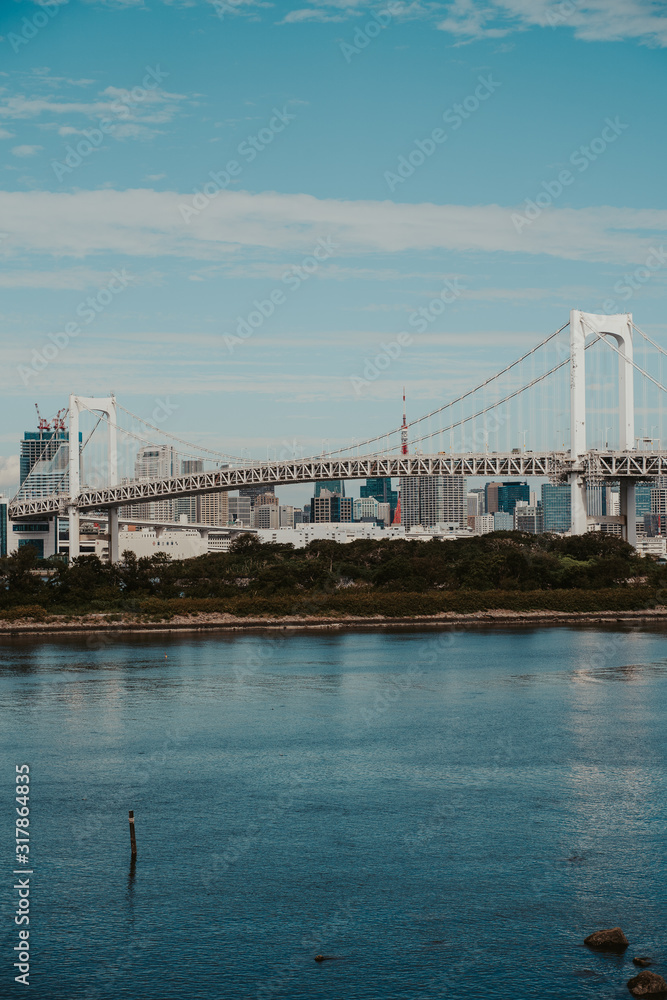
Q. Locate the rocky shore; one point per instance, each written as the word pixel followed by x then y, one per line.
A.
pixel 114 623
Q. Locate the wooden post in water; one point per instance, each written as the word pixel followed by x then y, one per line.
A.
pixel 133 839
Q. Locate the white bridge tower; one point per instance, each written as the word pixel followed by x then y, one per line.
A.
pixel 619 328
pixel 107 407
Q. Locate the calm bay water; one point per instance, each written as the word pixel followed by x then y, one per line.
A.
pixel 448 814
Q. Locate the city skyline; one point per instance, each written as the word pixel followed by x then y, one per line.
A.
pixel 174 285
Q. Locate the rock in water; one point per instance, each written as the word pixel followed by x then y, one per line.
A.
pixel 610 940
pixel 642 960
pixel 648 984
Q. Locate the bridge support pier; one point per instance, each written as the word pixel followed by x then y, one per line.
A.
pixel 73 518
pixel 579 501
pixel 114 542
pixel 629 510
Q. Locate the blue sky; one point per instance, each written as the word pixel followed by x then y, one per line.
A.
pixel 163 94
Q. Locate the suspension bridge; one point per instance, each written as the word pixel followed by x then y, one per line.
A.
pixel 590 384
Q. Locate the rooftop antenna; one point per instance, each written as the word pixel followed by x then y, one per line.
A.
pixel 404 429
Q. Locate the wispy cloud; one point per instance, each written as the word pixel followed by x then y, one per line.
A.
pixel 147 223
pixel 26 150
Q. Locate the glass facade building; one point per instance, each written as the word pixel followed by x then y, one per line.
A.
pixel 380 489
pixel 557 507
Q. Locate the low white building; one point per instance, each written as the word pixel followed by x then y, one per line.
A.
pixel 303 534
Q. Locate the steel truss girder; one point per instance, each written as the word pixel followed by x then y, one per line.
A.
pixel 551 465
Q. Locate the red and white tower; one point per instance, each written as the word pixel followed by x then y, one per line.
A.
pixel 404 429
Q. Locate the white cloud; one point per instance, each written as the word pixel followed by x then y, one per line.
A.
pixel 311 14
pixel 134 113
pixel 9 473
pixel 591 20
pixel 26 150
pixel 147 223
pixel 6 134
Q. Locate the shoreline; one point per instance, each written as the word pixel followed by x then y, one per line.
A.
pixel 203 622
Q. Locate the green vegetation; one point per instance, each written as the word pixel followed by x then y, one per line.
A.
pixel 392 578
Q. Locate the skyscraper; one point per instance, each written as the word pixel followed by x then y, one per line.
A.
pixel 557 507
pixel 510 493
pixel 43 458
pixel 380 489
pixel 252 492
pixel 154 461
pixel 332 486
pixel 432 500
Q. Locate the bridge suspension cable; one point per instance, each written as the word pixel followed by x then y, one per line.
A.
pixel 459 399
pixel 631 360
pixel 174 437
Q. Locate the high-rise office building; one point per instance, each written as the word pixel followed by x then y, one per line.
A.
pixel 510 493
pixel 596 498
pixel 433 500
pixel 475 502
pixel 331 486
pixel 44 457
pixel 251 493
pixel 557 507
pixel 491 497
pixel 187 506
pixel 240 511
pixel 503 521
pixel 213 508
pixel 154 461
pixel 379 489
pixel 529 519
pixel 330 506
pixel 266 515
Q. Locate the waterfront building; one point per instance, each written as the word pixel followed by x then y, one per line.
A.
pixel 556 507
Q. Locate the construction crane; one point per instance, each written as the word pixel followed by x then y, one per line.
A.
pixel 42 423
pixel 59 420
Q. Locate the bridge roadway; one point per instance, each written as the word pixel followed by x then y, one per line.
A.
pixel 553 465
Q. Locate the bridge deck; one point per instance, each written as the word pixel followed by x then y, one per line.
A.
pixel 552 465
